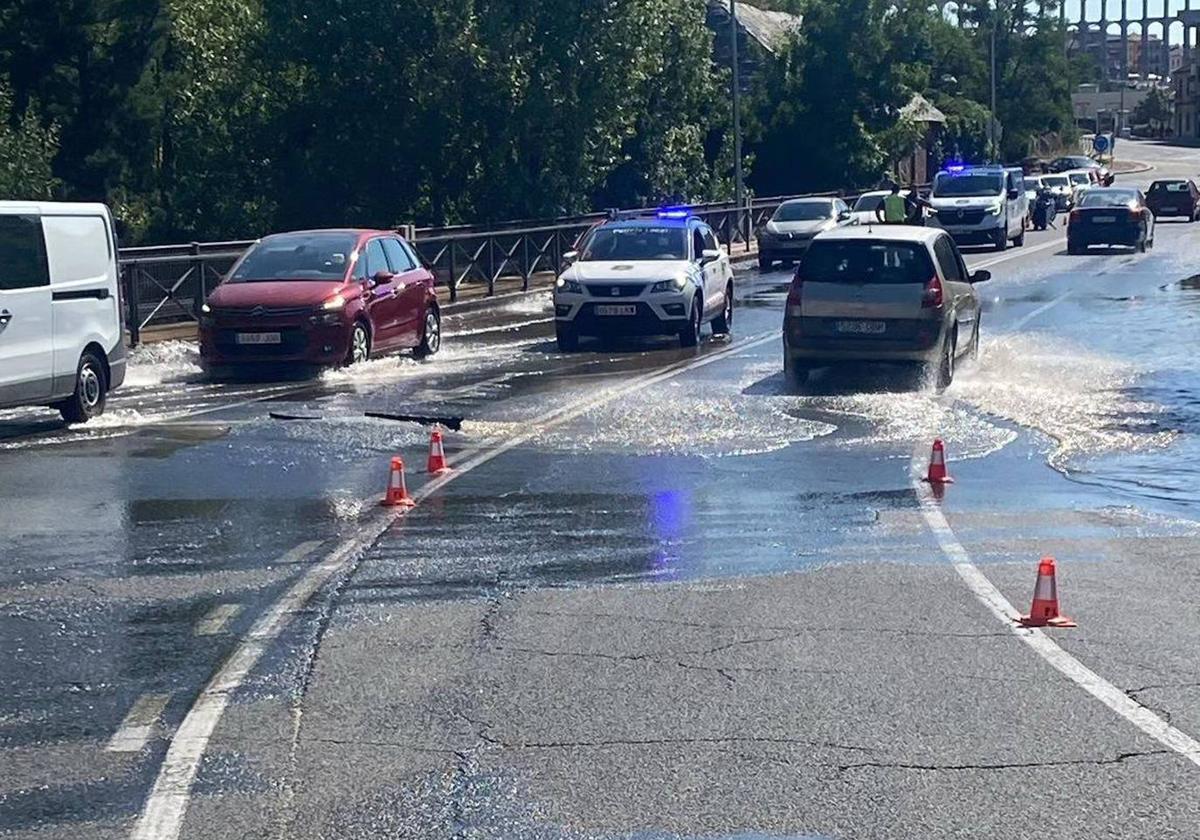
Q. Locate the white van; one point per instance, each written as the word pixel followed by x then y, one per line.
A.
pixel 980 205
pixel 61 334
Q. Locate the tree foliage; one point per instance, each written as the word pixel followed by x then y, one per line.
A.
pixel 225 118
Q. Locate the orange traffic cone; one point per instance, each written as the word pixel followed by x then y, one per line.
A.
pixel 1044 612
pixel 937 465
pixel 397 490
pixel 437 453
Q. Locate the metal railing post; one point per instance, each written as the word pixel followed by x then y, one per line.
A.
pixel 525 272
pixel 453 283
pixel 198 268
pixel 491 264
pixel 131 305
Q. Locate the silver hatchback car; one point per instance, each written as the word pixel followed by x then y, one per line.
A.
pixel 882 293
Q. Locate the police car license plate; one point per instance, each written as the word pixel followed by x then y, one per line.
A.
pixel 603 309
pixel 861 327
pixel 259 338
pixel 1104 220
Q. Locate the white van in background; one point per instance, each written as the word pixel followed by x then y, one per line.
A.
pixel 980 205
pixel 61 338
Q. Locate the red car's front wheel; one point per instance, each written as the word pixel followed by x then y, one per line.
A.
pixel 360 344
pixel 431 335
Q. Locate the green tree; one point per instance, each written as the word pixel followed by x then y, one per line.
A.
pixel 27 150
pixel 1154 111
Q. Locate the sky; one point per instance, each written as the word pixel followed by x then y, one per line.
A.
pixel 1134 8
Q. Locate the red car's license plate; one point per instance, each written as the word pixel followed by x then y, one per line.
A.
pixel 259 338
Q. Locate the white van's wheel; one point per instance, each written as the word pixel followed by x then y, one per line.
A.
pixel 91 391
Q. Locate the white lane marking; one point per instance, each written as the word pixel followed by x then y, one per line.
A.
pixel 991 597
pixel 139 724
pixel 214 620
pixel 1070 667
pixel 166 806
pixel 1020 252
pixel 1045 307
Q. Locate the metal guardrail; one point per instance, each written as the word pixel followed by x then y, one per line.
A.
pixel 166 284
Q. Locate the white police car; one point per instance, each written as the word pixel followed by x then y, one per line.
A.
pixel 655 275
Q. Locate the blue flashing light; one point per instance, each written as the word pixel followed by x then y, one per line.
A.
pixel 956 167
pixel 673 213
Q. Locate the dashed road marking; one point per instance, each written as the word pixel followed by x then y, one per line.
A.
pixel 166 806
pixel 139 724
pixel 214 620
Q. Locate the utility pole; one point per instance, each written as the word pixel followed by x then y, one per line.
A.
pixel 992 122
pixel 738 187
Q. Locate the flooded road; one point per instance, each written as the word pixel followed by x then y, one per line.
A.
pixel 662 594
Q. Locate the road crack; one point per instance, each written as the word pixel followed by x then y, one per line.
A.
pixel 1120 758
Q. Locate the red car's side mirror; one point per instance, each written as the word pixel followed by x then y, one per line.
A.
pixel 381 277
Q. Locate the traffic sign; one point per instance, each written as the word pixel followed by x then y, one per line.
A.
pixel 1101 143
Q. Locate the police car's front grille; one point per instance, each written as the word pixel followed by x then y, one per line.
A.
pixel 605 290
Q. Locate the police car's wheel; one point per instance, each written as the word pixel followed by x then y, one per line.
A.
pixel 1002 240
pixel 689 336
pixel 567 338
pixel 1020 240
pixel 764 263
pixel 91 391
pixel 723 323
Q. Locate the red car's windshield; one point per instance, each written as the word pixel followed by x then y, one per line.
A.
pixel 309 256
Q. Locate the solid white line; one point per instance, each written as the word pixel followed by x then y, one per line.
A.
pixel 139 724
pixel 1020 252
pixel 215 619
pixel 991 597
pixel 165 808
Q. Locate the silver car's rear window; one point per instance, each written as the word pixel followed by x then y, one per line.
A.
pixel 866 261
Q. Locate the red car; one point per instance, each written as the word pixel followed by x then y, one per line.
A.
pixel 321 298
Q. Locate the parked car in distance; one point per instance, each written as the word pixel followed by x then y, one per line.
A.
pixel 320 298
pixel 892 293
pixel 1174 197
pixel 1110 216
pixel 1068 162
pixel 794 224
pixel 61 334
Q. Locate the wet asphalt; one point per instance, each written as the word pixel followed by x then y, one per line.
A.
pixel 691 604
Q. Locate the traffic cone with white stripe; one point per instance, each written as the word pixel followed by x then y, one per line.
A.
pixel 397 489
pixel 937 465
pixel 437 453
pixel 1044 612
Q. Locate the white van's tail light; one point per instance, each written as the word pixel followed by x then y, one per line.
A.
pixel 932 299
pixel 794 298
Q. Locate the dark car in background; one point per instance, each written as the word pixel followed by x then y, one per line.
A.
pixel 1069 162
pixel 1174 197
pixel 320 298
pixel 1110 216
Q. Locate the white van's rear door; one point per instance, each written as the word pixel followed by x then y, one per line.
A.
pixel 26 343
pixel 84 287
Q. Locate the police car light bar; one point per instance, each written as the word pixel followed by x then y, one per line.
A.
pixel 673 213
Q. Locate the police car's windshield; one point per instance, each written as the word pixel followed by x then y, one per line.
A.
pixel 636 242
pixel 296 256
pixel 967 184
pixel 803 211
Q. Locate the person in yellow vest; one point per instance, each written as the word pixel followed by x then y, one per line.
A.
pixel 893 210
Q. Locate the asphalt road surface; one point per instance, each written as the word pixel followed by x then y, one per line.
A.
pixel 660 596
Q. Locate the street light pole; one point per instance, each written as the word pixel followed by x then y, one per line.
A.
pixel 992 122
pixel 738 187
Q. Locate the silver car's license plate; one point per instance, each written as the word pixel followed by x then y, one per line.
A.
pixel 1103 220
pixel 861 327
pixel 259 338
pixel 616 310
